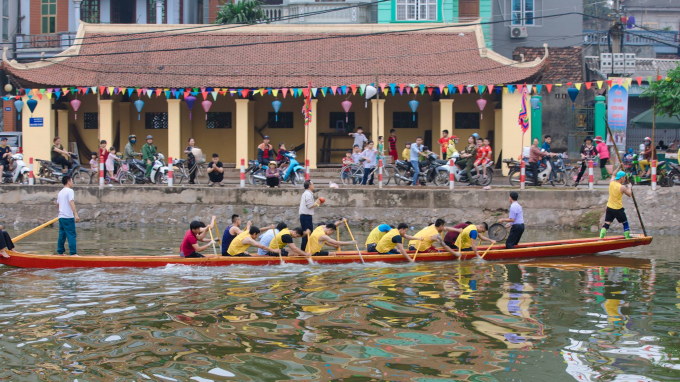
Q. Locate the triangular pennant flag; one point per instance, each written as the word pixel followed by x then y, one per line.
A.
pixel 401 90
pixel 158 92
pixel 275 92
pixel 354 89
pixel 529 87
pixel 422 88
pixel 393 88
pixel 66 90
pixel 129 91
pixel 205 94
pixel 149 92
pixel 481 89
pixel 333 89
pixel 569 83
pixel 58 93
pixel 538 88
pixel 214 94
pixel 511 88
pixel 588 85
pixel 186 93
pixel 577 85
pixel 116 91
pixel 429 90
pixel 305 92
pixel 609 83
pixel 245 92
pixel 490 88
pixel 139 92
pixel 362 88
pixel 600 84
pixel 639 80
pixel 506 90
pixel 385 91
pixel 323 91
pixel 558 84
pixel 476 87
pixel 649 79
pixel 222 92
pixel 49 95
pixel 284 91
pixel 450 88
pixel 344 89
pixel 94 89
pixel 469 89
pixel 659 77
pixel 87 90
pixel 460 89
pixel 519 87
pixel 382 86
pixel 408 90
pixel 549 87
pixel 316 90
pixel 101 89
pixel 110 88
pixel 441 89
pixel 629 81
pixel 167 93
pixel 256 92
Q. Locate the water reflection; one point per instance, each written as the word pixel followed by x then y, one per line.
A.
pixel 607 317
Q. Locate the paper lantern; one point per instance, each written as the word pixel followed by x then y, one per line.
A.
pixel 139 104
pixel 573 93
pixel 370 92
pixel 414 106
pixel 206 106
pixel 535 102
pixel 190 100
pixel 481 103
pixel 19 104
pixel 346 104
pixel 75 104
pixel 31 105
pixel 631 22
pixel 276 104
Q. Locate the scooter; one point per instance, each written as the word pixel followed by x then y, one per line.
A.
pixel 543 173
pixel 159 171
pixel 295 172
pixel 52 173
pixel 427 172
pixel 19 174
pixel 459 174
pixel 138 170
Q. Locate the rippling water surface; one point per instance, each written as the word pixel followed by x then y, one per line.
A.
pixel 607 318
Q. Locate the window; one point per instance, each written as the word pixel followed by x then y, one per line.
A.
pixel 151 11
pixel 404 120
pixel 156 121
pixel 218 121
pixel 466 121
pixel 89 11
pixel 48 12
pixel 5 20
pixel 408 10
pixel 337 120
pixel 523 12
pixel 285 120
pixel 91 121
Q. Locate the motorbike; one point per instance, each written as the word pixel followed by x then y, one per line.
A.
pixel 674 174
pixel 459 174
pixel 295 172
pixel 159 171
pixel 554 169
pixel 252 169
pixel 19 173
pixel 428 167
pixel 138 170
pixel 665 176
pixel 50 172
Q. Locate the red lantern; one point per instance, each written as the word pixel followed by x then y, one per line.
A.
pixel 346 104
pixel 481 103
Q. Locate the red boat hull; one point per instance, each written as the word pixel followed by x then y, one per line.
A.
pixel 498 252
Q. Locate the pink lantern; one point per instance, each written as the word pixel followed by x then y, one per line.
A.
pixel 206 106
pixel 75 104
pixel 481 103
pixel 346 104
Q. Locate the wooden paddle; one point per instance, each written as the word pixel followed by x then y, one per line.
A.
pixel 487 249
pixel 417 249
pixel 637 209
pixel 337 231
pixel 213 240
pixel 357 245
pixel 34 230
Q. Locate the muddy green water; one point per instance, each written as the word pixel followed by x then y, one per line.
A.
pixel 614 317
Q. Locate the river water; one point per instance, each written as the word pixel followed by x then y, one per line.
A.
pixel 615 317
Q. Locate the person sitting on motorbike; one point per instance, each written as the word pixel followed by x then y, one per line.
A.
pixel 281 158
pixel 148 154
pixel 468 156
pixel 130 153
pixel 451 148
pixel 536 155
pixel 57 154
pixel 5 155
pixel 265 152
pixel 483 156
pixel 646 158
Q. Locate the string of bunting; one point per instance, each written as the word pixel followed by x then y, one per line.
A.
pixel 386 88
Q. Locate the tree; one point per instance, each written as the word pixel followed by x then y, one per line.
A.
pixel 242 12
pixel 666 94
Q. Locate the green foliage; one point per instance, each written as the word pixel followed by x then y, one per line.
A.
pixel 667 94
pixel 242 12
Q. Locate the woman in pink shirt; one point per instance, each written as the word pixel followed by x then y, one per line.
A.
pixel 603 152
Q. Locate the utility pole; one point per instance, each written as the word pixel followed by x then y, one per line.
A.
pixel 616 30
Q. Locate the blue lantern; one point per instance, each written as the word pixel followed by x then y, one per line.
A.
pixel 534 102
pixel 139 104
pixel 414 105
pixel 19 104
pixel 31 105
pixel 276 104
pixel 573 93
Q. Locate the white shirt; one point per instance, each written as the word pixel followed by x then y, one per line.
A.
pixel 265 239
pixel 63 199
pixel 306 203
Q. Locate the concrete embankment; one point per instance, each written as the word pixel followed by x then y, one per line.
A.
pixel 129 206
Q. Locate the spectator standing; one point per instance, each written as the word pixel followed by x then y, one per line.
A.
pixel 393 144
pixel 359 139
pixel 5 155
pixel 148 154
pixel 588 152
pixel 94 164
pixel 68 217
pixel 416 153
pixel 191 160
pixel 515 221
pixel 215 171
pixel 444 143
pixel 406 153
pixel 307 205
pixel 603 152
pixel 369 155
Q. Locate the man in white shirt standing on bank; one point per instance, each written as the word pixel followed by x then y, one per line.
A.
pixel 68 217
pixel 307 204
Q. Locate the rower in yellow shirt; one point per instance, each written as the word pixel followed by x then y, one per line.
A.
pixel 394 238
pixel 244 240
pixel 321 236
pixel 615 208
pixel 467 238
pixel 374 237
pixel 429 235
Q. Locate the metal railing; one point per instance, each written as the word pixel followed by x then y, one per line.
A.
pixel 30 46
pixel 329 13
pixel 658 39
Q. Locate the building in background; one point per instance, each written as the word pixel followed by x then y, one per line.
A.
pixel 9 17
pixel 526 23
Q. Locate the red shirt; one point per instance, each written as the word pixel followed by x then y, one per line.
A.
pixel 104 152
pixel 444 142
pixel 187 247
pixel 481 152
pixel 393 143
pixel 452 236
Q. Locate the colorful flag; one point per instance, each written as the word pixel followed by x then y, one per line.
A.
pixel 523 116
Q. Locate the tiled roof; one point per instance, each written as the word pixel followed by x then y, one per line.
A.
pixel 277 56
pixel 563 64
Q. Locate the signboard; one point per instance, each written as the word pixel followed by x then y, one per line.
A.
pixel 617 113
pixel 35 122
pixel 8 108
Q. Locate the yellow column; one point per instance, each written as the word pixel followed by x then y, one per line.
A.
pixel 62 128
pixel 445 119
pixel 37 139
pixel 106 121
pixel 124 108
pixel 311 149
pixel 511 133
pixel 377 119
pixel 242 123
pixel 174 128
pixel 498 123
pixel 252 143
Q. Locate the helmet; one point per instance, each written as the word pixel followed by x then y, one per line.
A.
pixel 149 137
pixel 588 138
pixel 131 137
pixel 475 135
pixel 648 139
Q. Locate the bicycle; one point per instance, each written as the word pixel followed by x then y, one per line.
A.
pixel 123 176
pixel 354 174
pixel 183 173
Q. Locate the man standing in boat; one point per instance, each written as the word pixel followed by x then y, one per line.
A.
pixel 68 217
pixel 515 222
pixel 307 205
pixel 615 208
pixel 197 230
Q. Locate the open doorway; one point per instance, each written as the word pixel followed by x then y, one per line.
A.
pixel 124 12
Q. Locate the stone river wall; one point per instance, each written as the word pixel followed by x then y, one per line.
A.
pixel 130 206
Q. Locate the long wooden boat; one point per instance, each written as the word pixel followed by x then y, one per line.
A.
pixel 574 247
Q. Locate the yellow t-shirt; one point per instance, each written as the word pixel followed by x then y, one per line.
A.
pixel 278 243
pixel 615 201
pixel 464 240
pixel 237 247
pixel 385 244
pixel 375 236
pixel 426 233
pixel 406 155
pixel 451 150
pixel 313 245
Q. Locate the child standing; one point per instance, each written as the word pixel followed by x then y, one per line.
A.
pixel 109 161
pixel 381 147
pixel 393 144
pixel 369 157
pixel 359 138
pixel 347 164
pixel 93 162
pixel 406 154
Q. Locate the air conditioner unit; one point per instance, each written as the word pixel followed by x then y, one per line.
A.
pixel 518 32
